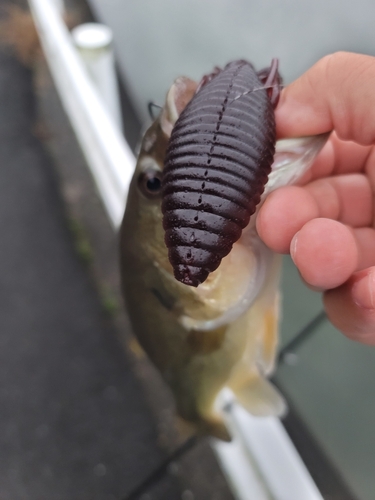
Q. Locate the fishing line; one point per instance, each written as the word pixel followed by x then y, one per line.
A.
pixel 263 87
pixel 150 106
pixel 301 336
pixel 160 471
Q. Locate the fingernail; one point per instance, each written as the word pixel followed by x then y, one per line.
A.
pixel 293 246
pixel 363 291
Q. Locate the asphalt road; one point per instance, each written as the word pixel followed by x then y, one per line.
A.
pixel 73 422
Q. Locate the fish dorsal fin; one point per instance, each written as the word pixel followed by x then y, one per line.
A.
pixel 293 157
pixel 179 95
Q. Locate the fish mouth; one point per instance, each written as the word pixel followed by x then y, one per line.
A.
pixel 252 280
pixel 189 275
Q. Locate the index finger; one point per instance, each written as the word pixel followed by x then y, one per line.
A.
pixel 335 94
pixel 339 157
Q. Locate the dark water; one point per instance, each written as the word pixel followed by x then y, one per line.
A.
pixel 160 40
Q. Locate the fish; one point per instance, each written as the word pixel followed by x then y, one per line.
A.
pixel 223 333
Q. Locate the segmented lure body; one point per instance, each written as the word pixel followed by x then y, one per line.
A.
pixel 217 164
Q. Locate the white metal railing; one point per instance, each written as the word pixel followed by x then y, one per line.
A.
pixel 108 155
pixel 94 44
pixel 261 463
pixel 263 445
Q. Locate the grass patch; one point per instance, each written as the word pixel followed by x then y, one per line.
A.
pixel 82 244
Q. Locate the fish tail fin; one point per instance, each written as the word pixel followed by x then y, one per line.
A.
pixel 260 398
pixel 205 421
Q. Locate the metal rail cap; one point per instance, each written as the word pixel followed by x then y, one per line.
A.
pixel 92 36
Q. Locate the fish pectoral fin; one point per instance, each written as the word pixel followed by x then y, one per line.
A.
pixel 259 397
pixel 269 339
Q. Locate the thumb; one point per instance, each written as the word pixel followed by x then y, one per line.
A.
pixel 336 93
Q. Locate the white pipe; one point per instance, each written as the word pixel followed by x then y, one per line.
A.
pixel 60 5
pixel 108 155
pixel 278 461
pixel 278 471
pixel 94 43
pixel 240 470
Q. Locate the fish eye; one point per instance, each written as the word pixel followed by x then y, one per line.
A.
pixel 150 183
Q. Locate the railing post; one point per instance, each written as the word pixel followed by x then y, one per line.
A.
pixel 94 44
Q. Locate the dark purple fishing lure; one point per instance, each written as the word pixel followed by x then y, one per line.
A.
pixel 218 159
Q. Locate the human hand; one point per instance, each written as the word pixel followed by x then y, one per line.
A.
pixel 327 223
